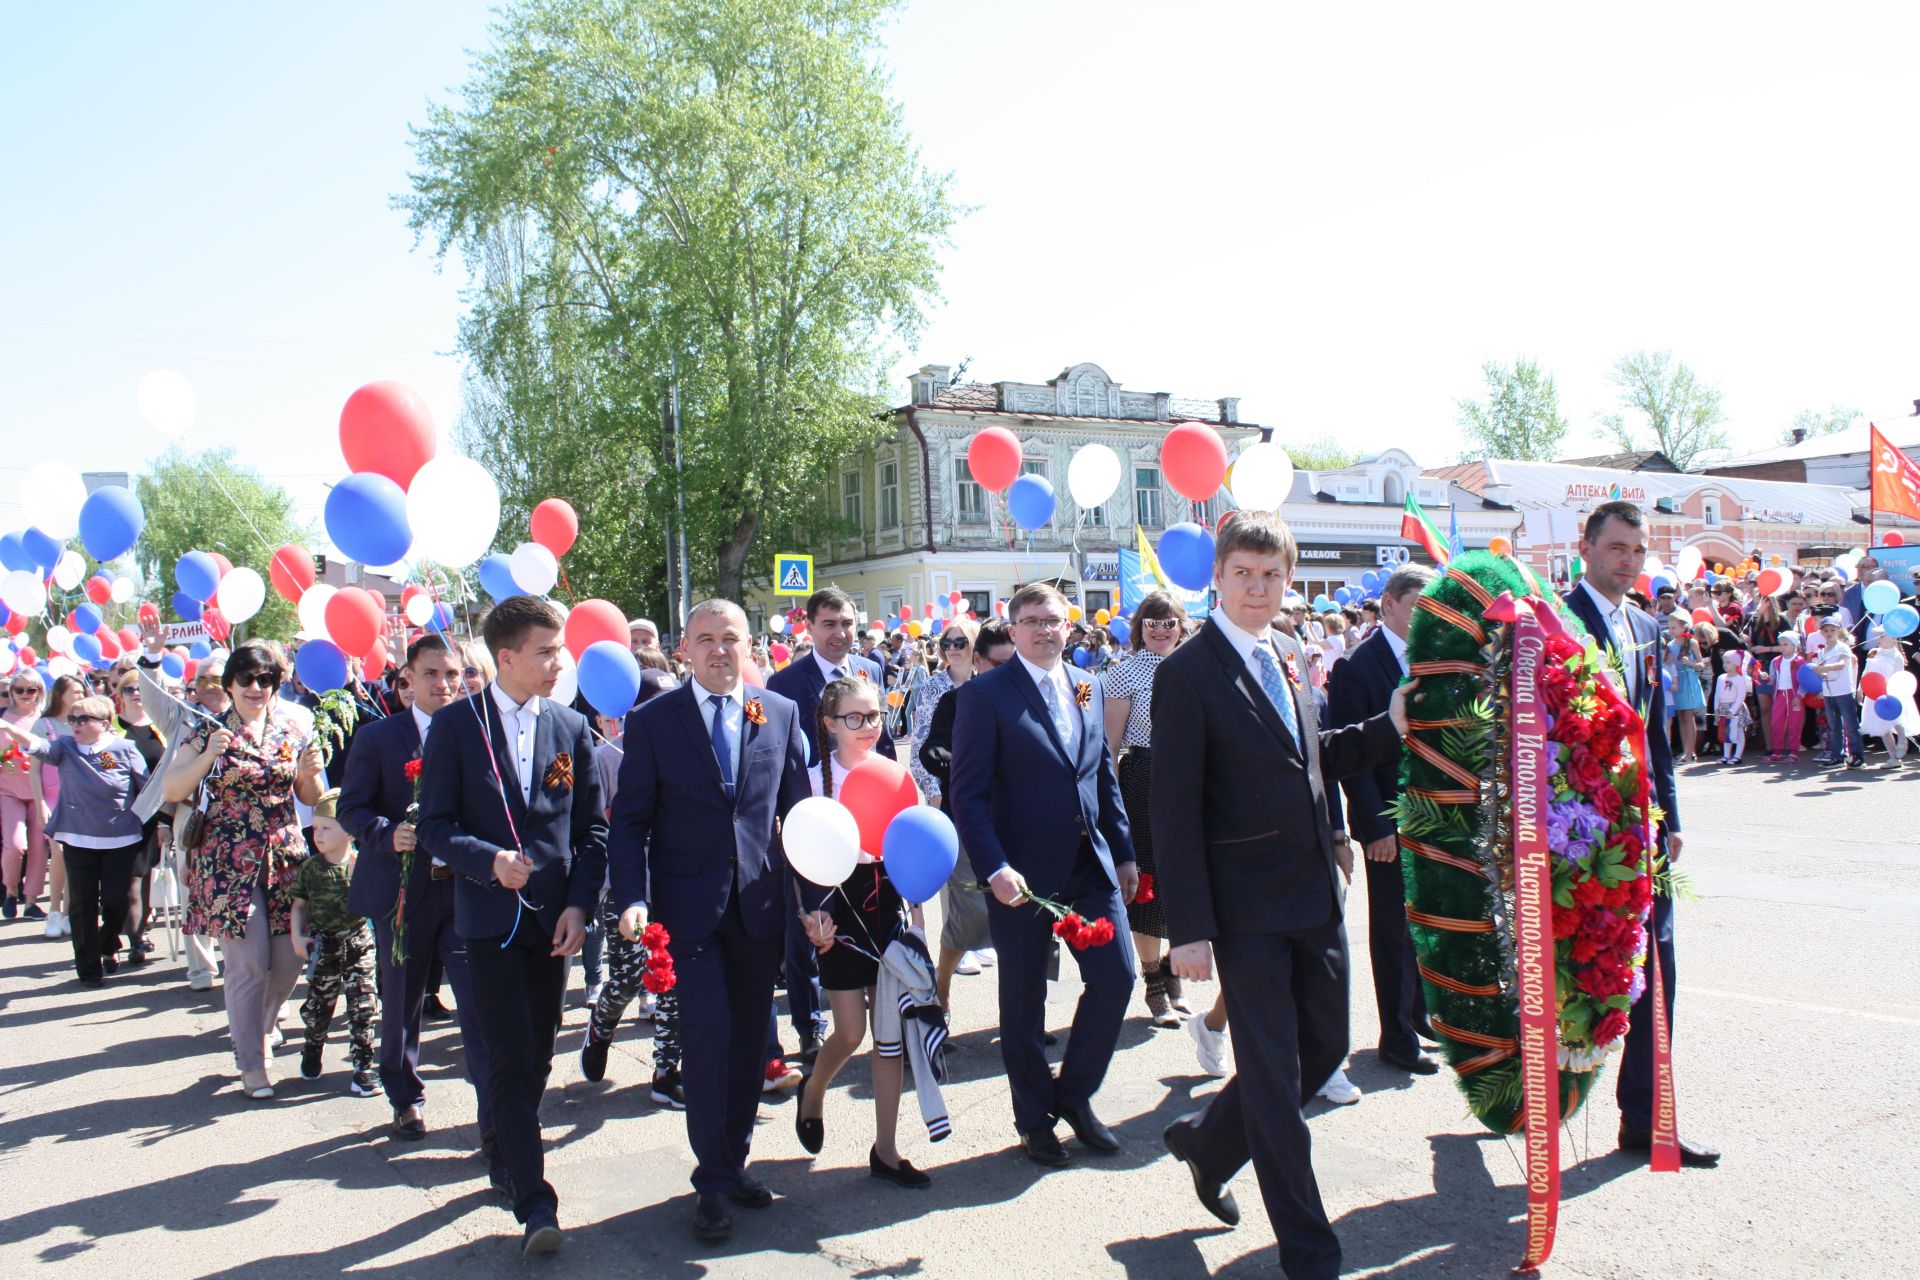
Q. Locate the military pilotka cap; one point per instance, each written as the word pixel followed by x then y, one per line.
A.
pixel 328 805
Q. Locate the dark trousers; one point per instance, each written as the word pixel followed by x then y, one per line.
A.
pixel 432 942
pixel 805 1007
pixel 1287 1011
pixel 99 886
pixel 1023 936
pixel 725 986
pixel 518 986
pixel 1396 981
pixel 1634 1089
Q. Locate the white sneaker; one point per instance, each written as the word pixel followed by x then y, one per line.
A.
pixel 56 926
pixel 646 1009
pixel 1339 1090
pixel 987 957
pixel 593 995
pixel 200 982
pixel 276 1038
pixel 1211 1046
pixel 968 965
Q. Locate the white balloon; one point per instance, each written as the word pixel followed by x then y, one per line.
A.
pixel 533 568
pixel 420 610
pixel 313 608
pixel 122 590
pixel 1901 684
pixel 453 506
pixel 1688 564
pixel 53 494
pixel 7 660
pixel 568 685
pixel 1093 475
pixel 777 624
pixel 23 592
pixel 1262 477
pixel 68 572
pixel 167 402
pixel 242 592
pixel 59 640
pixel 59 666
pixel 822 840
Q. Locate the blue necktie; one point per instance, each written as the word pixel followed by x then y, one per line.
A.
pixel 1277 689
pixel 723 739
pixel 1050 694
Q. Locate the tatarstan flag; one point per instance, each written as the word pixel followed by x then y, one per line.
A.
pixel 1416 527
pixel 1896 479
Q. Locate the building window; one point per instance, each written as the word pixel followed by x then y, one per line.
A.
pixel 970 500
pixel 890 495
pixel 850 498
pixel 979 603
pixel 1098 600
pixel 1710 512
pixel 1146 497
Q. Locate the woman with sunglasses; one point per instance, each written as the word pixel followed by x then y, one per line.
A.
pixel 138 728
pixel 66 691
pixel 476 666
pixel 255 760
pixel 100 774
pixel 1158 625
pixel 23 808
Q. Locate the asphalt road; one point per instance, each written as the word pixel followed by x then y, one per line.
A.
pixel 126 1149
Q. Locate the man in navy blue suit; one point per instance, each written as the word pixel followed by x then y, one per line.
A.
pixel 709 771
pixel 1613 553
pixel 1033 792
pixel 374 804
pixel 510 799
pixel 833 623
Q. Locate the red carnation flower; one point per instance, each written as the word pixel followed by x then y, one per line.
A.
pixel 1145 892
pixel 654 937
pixel 1068 927
pixel 1099 933
pixel 1612 1025
pixel 1589 894
pixel 1607 801
pixel 1566 923
pixel 657 981
pixel 413 768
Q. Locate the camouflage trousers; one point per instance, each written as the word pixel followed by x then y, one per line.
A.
pixel 626 967
pixel 343 961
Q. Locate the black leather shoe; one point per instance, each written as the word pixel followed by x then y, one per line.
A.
pixel 593 1057
pixel 900 1175
pixel 812 1133
pixel 1087 1128
pixel 433 1008
pixel 1214 1196
pixel 1692 1154
pixel 543 1233
pixel 410 1123
pixel 809 1049
pixel 1044 1149
pixel 750 1193
pixel 1425 1031
pixel 711 1221
pixel 1419 1064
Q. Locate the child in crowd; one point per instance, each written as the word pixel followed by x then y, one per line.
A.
pixel 340 946
pixel 1890 664
pixel 1789 705
pixel 1839 684
pixel 1730 706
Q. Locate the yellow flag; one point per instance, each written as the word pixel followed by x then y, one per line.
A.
pixel 1150 561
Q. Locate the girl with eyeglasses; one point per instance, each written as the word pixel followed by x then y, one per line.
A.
pixel 866 911
pixel 23 809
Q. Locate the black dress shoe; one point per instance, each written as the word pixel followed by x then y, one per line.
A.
pixel 1425 1031
pixel 809 1049
pixel 593 1057
pixel 812 1133
pixel 1214 1196
pixel 1420 1063
pixel 750 1193
pixel 409 1123
pixel 543 1233
pixel 434 1009
pixel 711 1221
pixel 1087 1128
pixel 1692 1154
pixel 900 1175
pixel 1044 1149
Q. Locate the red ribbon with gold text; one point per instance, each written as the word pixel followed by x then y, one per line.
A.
pixel 1533 940
pixel 1666 1125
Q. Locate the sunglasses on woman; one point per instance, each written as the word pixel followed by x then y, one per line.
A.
pixel 859 719
pixel 25 690
pixel 256 680
pixel 1162 624
pixel 958 642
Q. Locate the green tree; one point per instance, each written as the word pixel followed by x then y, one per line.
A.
pixel 1323 454
pixel 718 192
pixel 203 502
pixel 1809 423
pixel 1521 417
pixel 1667 408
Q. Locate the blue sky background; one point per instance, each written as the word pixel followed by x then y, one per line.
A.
pixel 1334 212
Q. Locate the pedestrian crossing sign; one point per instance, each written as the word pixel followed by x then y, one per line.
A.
pixel 792 574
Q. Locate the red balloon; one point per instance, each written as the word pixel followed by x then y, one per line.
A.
pixel 385 428
pixel 779 652
pixel 876 789
pixel 1873 684
pixel 993 456
pixel 1195 460
pixel 1894 538
pixel 1810 624
pixel 193 667
pixel 28 657
pixel 1773 581
pixel 750 674
pixel 292 572
pixel 408 592
pixel 929 611
pixel 555 526
pixel 376 660
pixel 906 611
pixel 72 621
pixel 109 644
pixel 16 624
pixel 99 590
pixel 129 638
pixel 1644 585
pixel 149 614
pixel 1703 615
pixel 354 620
pixel 592 621
pixel 226 565
pixel 216 623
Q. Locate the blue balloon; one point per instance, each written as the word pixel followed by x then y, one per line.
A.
pixel 442 617
pixel 496 577
pixel 14 553
pixel 174 665
pixel 110 522
pixel 609 676
pixel 1887 707
pixel 86 618
pixel 197 575
pixel 939 625
pixel 87 649
pixel 1186 556
pixel 1321 604
pixel 1900 621
pixel 1081 658
pixel 919 850
pixel 1875 597
pixel 1119 630
pixel 6 615
pixel 1808 680
pixel 186 606
pixel 1663 582
pixel 320 664
pixel 43 548
pixel 1030 502
pixel 366 516
pixel 199 649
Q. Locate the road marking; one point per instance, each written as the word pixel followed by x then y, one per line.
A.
pixel 1809 1008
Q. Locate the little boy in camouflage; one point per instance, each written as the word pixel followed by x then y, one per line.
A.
pixel 343 949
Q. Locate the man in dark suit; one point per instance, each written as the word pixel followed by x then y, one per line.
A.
pixel 1035 798
pixel 709 771
pixel 375 801
pixel 1358 689
pixel 1247 867
pixel 833 623
pixel 1613 554
pixel 510 799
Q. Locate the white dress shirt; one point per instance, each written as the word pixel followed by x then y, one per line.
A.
pixel 520 720
pixel 1399 648
pixel 830 673
pixel 1243 643
pixel 739 695
pixel 421 721
pixel 1062 690
pixel 1615 616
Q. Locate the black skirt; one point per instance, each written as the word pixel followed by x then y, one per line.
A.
pixel 867 912
pixel 1136 774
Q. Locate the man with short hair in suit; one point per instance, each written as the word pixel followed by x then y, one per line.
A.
pixel 834 624
pixel 374 804
pixel 1613 554
pixel 510 799
pixel 1248 876
pixel 1359 688
pixel 710 770
pixel 1034 795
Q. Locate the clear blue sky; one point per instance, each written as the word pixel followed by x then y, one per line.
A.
pixel 1334 212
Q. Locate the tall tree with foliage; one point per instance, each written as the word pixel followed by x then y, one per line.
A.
pixel 203 502
pixel 714 191
pixel 1667 408
pixel 1323 454
pixel 1520 418
pixel 1809 423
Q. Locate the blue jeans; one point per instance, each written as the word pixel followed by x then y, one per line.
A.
pixel 1843 725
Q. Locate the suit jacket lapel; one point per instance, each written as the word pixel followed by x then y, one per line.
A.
pixel 749 731
pixel 1083 715
pixel 1031 691
pixel 503 758
pixel 1234 668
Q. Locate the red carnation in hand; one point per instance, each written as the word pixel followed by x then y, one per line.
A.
pixel 413 768
pixel 1068 927
pixel 654 937
pixel 658 981
pixel 1145 892
pixel 1098 934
